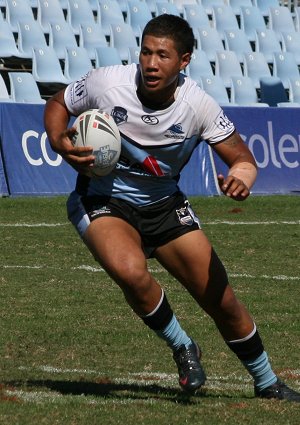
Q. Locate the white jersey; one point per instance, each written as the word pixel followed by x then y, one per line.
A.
pixel 156 144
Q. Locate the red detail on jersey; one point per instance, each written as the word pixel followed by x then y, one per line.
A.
pixel 95 124
pixel 151 165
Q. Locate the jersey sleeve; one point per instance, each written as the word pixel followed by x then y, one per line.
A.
pixel 215 125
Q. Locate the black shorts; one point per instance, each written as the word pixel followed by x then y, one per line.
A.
pixel 157 223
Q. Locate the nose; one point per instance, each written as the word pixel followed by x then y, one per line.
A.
pixel 152 62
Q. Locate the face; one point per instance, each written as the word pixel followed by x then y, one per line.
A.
pixel 160 65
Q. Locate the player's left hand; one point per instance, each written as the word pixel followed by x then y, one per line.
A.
pixel 233 187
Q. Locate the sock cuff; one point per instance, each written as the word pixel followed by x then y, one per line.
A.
pixel 247 348
pixel 161 316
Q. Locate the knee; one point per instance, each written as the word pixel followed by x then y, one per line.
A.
pixel 132 276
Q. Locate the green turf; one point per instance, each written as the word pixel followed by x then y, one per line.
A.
pixel 72 352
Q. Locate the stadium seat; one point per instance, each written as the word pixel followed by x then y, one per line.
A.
pixel 138 15
pixel 196 15
pixel 79 12
pixel 294 90
pixel 8 48
pixel 252 20
pixel 106 56
pixel 264 5
pixel 243 92
pixel 30 35
pixel 237 4
pixel 297 18
pixel 77 63
pixel 90 37
pixel 60 37
pixel 227 66
pixel 267 43
pixel 209 4
pixel 180 4
pixel 214 86
pixel 255 67
pixel 49 11
pixel 122 37
pixel 288 104
pixel 199 66
pixel 16 11
pixel 237 41
pixel 152 6
pixel 280 19
pixel 210 41
pixel 110 14
pixel 24 88
pixel 133 54
pixel 46 66
pixel 272 91
pixel 166 7
pixel 223 18
pixel 4 95
pixel 291 43
pixel 285 67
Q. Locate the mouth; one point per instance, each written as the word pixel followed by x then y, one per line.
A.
pixel 151 80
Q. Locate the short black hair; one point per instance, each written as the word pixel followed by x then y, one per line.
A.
pixel 174 27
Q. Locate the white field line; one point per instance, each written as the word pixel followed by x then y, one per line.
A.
pixel 92 269
pixel 216 222
pixel 214 382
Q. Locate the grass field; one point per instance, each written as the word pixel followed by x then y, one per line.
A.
pixel 72 352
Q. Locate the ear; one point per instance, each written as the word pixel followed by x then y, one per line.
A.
pixel 185 60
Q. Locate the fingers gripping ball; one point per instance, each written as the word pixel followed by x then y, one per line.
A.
pixel 98 129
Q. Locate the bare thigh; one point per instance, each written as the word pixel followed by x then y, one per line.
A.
pixel 116 245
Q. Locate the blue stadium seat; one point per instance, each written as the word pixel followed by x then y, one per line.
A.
pixel 8 48
pixel 196 15
pixel 291 43
pixel 255 67
pixel 294 89
pixel 237 4
pixel 77 63
pixel 60 37
pixel 199 66
pixel 267 43
pixel 285 67
pixel 24 88
pixel 209 4
pixel 223 19
pixel 243 92
pixel 166 7
pixel 110 14
pixel 106 56
pixel 227 66
pixel 272 91
pixel 4 95
pixel 252 20
pixel 210 41
pixel 237 41
pixel 30 35
pixel 280 19
pixel 79 12
pixel 46 67
pixel 49 11
pixel 90 37
pixel 16 11
pixel 138 15
pixel 264 5
pixel 214 86
pixel 122 37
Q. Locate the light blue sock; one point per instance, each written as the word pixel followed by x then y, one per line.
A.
pixel 261 371
pixel 174 335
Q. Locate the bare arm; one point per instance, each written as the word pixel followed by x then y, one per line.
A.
pixel 56 119
pixel 242 167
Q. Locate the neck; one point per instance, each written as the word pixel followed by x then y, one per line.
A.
pixel 158 100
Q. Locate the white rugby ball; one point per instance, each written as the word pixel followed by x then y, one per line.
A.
pixel 98 129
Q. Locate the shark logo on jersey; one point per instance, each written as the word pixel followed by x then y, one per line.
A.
pixel 119 114
pixel 175 132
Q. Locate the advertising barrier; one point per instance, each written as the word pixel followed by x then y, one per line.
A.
pixel 29 167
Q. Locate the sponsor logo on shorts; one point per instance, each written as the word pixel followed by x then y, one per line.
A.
pixel 100 211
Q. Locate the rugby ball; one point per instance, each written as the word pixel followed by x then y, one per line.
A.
pixel 98 129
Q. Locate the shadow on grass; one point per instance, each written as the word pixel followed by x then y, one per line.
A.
pixel 108 389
